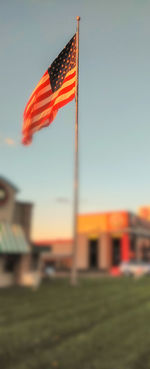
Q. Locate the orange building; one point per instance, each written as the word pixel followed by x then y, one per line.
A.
pixel 104 240
pixel 144 212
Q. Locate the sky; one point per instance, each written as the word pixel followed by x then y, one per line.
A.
pixel 114 108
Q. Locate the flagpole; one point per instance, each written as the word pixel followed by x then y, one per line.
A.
pixel 76 168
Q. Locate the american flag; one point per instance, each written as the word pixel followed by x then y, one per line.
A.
pixel 55 89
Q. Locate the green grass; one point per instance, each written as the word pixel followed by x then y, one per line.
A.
pixel 102 324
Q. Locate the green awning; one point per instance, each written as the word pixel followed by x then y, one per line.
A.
pixel 12 239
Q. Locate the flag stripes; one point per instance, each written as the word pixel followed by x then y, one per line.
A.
pixel 44 93
pixel 47 99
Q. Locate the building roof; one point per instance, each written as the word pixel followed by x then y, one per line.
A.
pixel 51 256
pixel 106 212
pixel 40 248
pixel 3 179
pixel 12 239
pixel 24 203
pixel 52 242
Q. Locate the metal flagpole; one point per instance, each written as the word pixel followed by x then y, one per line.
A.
pixel 74 251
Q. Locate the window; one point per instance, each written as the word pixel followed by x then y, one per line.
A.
pixel 11 262
pixel 116 251
pixel 93 253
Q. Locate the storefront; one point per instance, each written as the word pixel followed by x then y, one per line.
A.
pixel 14 255
pixel 111 238
pixel 104 241
pixel 16 259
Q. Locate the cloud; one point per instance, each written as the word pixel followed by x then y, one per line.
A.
pixel 62 200
pixel 65 200
pixel 9 141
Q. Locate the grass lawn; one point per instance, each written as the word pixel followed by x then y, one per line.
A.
pixel 102 324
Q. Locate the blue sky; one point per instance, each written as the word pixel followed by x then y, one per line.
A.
pixel 114 107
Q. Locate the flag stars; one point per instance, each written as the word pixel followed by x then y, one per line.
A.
pixel 65 61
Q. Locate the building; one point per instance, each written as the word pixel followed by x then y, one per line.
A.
pixel 104 240
pixel 56 253
pixel 15 226
pixel 112 237
pixel 22 215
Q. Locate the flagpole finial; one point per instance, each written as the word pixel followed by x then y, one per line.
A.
pixel 78 18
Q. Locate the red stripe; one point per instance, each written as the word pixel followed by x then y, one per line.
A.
pixel 70 76
pixel 40 110
pixel 55 107
pixel 38 99
pixel 64 102
pixel 67 89
pixel 50 103
pixel 28 137
pixel 38 123
pixel 44 84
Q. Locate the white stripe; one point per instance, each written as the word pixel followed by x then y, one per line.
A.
pixel 44 89
pixel 54 95
pixel 43 102
pixel 56 100
pixel 70 72
pixel 41 115
pixel 40 125
pixel 64 96
pixel 41 92
pixel 66 84
pixel 42 80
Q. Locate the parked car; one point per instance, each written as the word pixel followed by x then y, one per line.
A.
pixel 135 268
pixel 49 271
